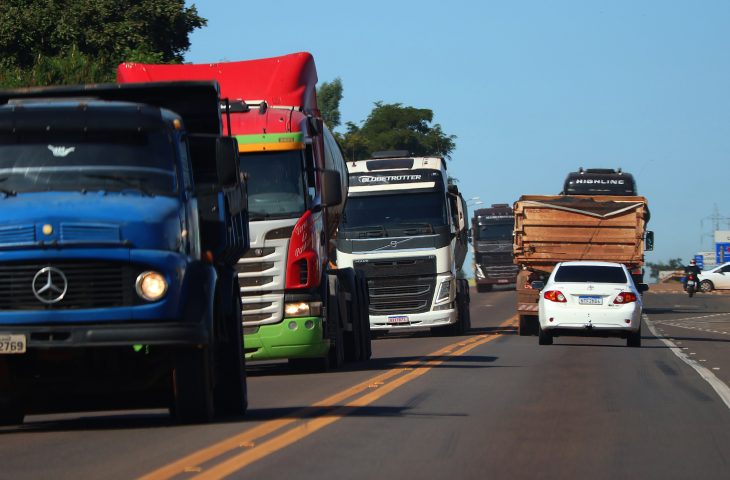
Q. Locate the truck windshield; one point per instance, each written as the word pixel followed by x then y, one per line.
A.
pixel 70 161
pixel 395 210
pixel 275 184
pixel 495 231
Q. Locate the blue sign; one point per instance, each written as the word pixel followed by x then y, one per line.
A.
pixel 700 259
pixel 722 250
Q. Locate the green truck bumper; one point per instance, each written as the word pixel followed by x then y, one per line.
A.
pixel 280 340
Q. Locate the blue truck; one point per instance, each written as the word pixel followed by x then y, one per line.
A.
pixel 122 215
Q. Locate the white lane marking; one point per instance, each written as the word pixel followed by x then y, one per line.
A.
pixel 722 390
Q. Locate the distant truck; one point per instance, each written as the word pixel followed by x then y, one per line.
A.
pixel 296 306
pixel 492 243
pixel 122 215
pixel 558 228
pixel 405 227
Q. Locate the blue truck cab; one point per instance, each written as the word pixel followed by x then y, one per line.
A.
pixel 122 214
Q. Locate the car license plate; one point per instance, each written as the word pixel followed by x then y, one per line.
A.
pixel 12 344
pixel 502 280
pixel 398 319
pixel 592 300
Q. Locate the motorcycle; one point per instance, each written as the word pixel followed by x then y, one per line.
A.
pixel 692 284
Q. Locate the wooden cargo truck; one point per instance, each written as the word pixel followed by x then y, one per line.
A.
pixel 557 228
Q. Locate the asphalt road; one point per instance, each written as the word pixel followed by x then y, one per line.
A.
pixel 487 405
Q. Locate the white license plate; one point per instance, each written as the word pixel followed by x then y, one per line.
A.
pixel 12 344
pixel 690 283
pixel 502 280
pixel 585 300
pixel 398 319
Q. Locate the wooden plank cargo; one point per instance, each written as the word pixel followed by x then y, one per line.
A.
pixel 558 228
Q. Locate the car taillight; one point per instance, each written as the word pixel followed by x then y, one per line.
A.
pixel 624 297
pixel 555 296
pixel 303 268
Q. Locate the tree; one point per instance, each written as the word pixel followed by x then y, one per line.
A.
pixel 80 41
pixel 397 127
pixel 655 268
pixel 329 95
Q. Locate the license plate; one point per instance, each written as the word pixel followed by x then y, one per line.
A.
pixel 691 283
pixel 585 300
pixel 502 280
pixel 398 319
pixel 12 344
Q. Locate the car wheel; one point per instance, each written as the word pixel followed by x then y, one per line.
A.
pixel 544 337
pixel 706 286
pixel 634 339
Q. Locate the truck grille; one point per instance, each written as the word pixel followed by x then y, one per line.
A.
pixel 89 285
pixel 399 295
pixel 400 285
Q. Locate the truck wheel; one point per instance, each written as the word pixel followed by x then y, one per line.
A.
pixel 352 339
pixel 365 317
pixel 484 287
pixel 528 326
pixel 11 411
pixel 230 393
pixel 192 386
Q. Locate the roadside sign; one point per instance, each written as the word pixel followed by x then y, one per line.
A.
pixel 722 251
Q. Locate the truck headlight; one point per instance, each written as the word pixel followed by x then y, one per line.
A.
pixel 444 291
pixel 151 285
pixel 302 309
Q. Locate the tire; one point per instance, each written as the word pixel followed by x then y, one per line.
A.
pixel 484 287
pixel 230 392
pixel 706 286
pixel 11 411
pixel 634 339
pixel 528 325
pixel 352 340
pixel 364 310
pixel 192 386
pixel 335 302
pixel 691 292
pixel 544 337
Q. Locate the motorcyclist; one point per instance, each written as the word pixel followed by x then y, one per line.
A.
pixel 692 268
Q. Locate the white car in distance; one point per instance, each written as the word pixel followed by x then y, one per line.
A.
pixel 590 299
pixel 717 278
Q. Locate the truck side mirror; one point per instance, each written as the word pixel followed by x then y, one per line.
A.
pixel 649 241
pixel 226 152
pixel 331 188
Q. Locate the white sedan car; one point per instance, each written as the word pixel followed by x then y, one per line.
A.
pixel 590 299
pixel 717 278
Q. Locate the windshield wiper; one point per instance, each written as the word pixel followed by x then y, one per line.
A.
pixel 368 231
pixel 133 182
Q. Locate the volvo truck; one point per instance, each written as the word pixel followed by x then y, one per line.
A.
pixel 297 304
pixel 405 228
pixel 122 215
pixel 492 243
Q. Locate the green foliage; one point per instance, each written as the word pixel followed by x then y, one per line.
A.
pixel 655 268
pixel 397 127
pixel 329 95
pixel 82 41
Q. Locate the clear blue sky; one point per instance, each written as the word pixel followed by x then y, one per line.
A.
pixel 532 89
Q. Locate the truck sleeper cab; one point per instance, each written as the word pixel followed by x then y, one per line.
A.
pixel 400 228
pixel 118 290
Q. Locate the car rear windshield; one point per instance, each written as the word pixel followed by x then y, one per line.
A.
pixel 590 273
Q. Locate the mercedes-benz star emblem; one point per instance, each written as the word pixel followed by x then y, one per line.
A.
pixel 50 285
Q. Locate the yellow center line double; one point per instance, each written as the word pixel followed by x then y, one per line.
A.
pixel 330 412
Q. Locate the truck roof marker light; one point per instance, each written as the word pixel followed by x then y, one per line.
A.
pixel 176 124
pixel 208 256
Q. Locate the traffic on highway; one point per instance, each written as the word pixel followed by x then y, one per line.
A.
pixel 195 283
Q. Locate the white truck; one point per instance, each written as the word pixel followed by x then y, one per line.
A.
pixel 405 228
